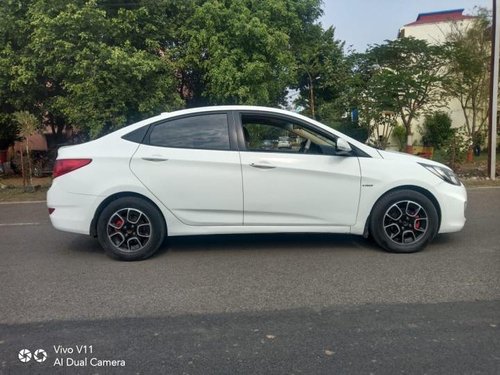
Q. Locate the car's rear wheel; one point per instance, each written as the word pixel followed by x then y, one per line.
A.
pixel 404 221
pixel 130 228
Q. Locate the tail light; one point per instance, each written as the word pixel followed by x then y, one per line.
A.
pixel 63 166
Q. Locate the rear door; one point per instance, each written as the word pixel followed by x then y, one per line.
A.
pixel 190 165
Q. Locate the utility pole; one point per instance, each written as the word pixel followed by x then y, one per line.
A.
pixel 493 107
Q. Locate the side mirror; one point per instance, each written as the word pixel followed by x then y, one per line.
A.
pixel 343 147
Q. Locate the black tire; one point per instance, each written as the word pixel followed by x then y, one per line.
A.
pixel 131 228
pixel 412 231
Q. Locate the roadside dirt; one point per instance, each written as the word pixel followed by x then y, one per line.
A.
pixel 11 189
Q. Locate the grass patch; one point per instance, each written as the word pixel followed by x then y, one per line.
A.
pixel 12 190
pixel 15 194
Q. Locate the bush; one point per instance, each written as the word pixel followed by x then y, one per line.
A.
pixel 456 147
pixel 399 134
pixel 437 130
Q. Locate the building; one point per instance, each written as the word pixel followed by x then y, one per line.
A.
pixel 434 26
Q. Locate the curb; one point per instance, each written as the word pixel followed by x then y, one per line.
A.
pixel 482 187
pixel 23 202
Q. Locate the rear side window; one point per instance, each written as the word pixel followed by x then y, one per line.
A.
pixel 204 132
pixel 137 135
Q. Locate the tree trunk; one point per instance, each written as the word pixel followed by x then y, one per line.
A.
pixel 29 178
pixel 470 155
pixel 311 97
pixel 409 137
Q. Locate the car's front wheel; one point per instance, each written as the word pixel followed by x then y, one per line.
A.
pixel 404 221
pixel 130 228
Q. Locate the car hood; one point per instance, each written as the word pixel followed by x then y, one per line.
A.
pixel 401 156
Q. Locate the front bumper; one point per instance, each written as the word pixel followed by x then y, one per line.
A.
pixel 453 202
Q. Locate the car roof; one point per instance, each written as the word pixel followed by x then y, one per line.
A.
pixel 188 111
pixel 228 108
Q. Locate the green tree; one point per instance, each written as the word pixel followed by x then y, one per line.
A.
pixel 322 73
pixel 13 37
pixel 376 111
pixel 240 51
pixel 99 64
pixel 103 70
pixel 94 65
pixel 468 52
pixel 28 125
pixel 405 76
pixel 399 133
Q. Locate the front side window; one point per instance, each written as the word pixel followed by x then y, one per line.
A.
pixel 270 134
pixel 208 131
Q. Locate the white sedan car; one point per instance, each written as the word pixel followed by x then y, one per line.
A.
pixel 207 171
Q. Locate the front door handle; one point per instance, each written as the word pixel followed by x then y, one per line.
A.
pixel 155 159
pixel 262 166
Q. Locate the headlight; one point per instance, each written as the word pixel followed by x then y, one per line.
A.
pixel 445 174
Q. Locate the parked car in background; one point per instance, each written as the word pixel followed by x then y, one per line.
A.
pixel 198 171
pixel 267 144
pixel 284 142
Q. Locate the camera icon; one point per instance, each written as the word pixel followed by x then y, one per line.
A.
pixel 25 355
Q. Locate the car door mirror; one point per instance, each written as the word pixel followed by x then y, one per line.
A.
pixel 343 147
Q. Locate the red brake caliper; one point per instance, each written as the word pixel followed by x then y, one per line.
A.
pixel 417 222
pixel 118 224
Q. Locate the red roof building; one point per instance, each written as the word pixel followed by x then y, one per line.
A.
pixel 434 26
pixel 441 16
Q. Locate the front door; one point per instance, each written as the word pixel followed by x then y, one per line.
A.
pixel 291 175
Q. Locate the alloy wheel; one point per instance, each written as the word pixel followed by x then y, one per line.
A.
pixel 405 222
pixel 129 229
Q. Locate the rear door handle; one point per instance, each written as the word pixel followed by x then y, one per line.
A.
pixel 156 159
pixel 262 166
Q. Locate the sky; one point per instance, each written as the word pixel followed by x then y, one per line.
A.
pixel 363 22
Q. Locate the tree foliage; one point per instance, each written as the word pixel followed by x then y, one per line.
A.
pixel 240 51
pixel 468 53
pixel 406 76
pixel 399 134
pixel 28 125
pixel 323 73
pixel 13 37
pixel 102 69
pixel 99 64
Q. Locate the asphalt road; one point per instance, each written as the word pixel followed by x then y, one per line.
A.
pixel 276 304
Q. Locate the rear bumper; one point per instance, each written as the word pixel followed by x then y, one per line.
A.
pixel 72 212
